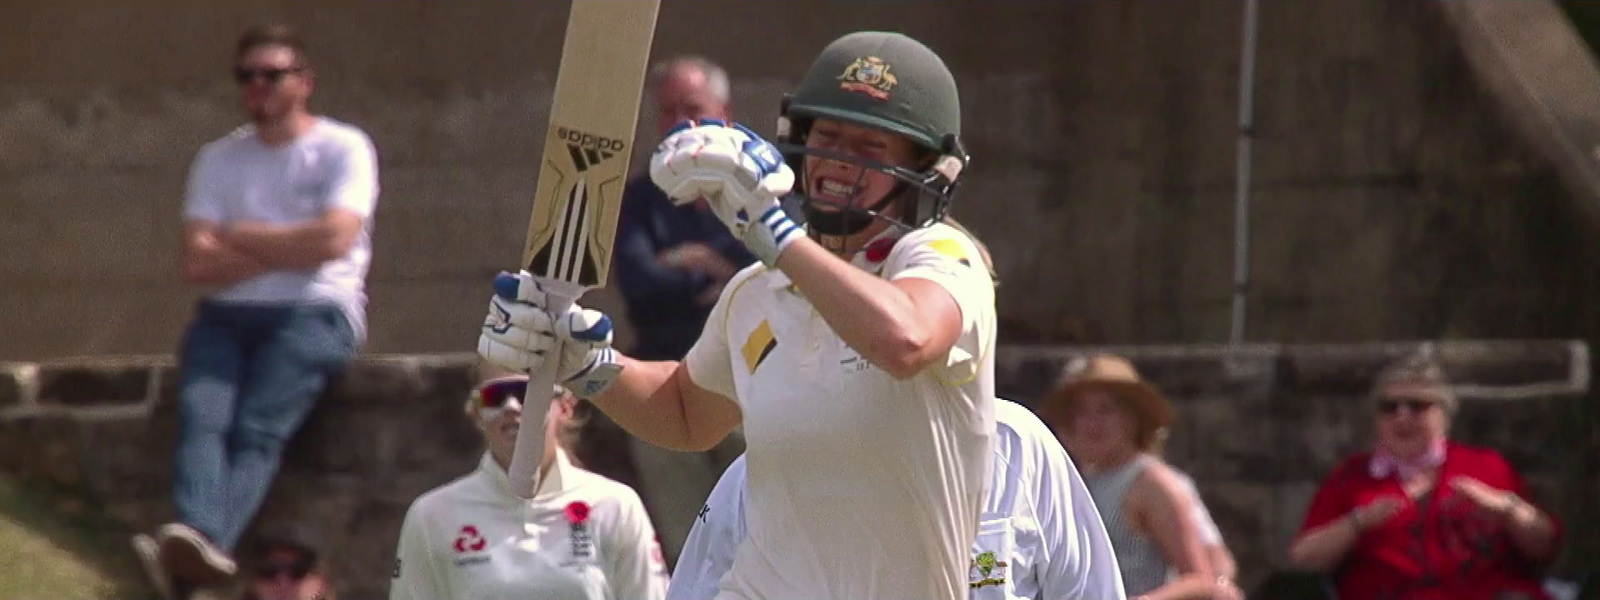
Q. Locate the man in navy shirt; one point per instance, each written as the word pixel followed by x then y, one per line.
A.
pixel 672 261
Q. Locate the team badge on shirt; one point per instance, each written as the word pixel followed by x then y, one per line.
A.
pixel 469 543
pixel 582 540
pixel 986 570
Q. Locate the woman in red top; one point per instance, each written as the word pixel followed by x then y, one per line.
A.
pixel 1421 517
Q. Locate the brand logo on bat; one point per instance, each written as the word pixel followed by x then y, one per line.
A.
pixel 589 149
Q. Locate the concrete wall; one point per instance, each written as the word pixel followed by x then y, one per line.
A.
pixel 1390 202
pixel 1258 428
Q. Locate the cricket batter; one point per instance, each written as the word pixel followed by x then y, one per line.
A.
pixel 1040 536
pixel 857 353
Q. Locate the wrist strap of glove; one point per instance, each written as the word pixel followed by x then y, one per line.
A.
pixel 595 378
pixel 771 234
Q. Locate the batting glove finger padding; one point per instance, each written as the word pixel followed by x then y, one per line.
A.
pixel 520 332
pixel 739 174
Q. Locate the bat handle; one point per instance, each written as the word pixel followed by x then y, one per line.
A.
pixel 523 475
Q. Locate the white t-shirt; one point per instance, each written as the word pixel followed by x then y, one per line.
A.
pixel 861 486
pixel 582 537
pixel 1039 522
pixel 333 165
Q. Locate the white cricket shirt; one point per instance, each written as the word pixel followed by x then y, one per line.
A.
pixel 861 486
pixel 1039 522
pixel 333 165
pixel 582 537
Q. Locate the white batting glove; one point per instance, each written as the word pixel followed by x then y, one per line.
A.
pixel 739 174
pixel 519 332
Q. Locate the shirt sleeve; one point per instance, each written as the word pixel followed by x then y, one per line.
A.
pixel 202 198
pixel 945 256
pixel 354 185
pixel 1079 563
pixel 637 568
pixel 717 531
pixel 709 361
pixel 416 572
pixel 1331 502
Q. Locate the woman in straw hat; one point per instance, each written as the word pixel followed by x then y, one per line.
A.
pixel 1112 423
pixel 1480 539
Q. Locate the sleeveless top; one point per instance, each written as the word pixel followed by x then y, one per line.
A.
pixel 1138 556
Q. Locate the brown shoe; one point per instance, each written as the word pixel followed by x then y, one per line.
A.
pixel 190 558
pixel 149 553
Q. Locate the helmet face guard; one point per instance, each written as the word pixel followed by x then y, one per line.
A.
pixel 922 197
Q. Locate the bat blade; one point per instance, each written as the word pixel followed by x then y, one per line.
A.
pixel 587 150
pixel 590 140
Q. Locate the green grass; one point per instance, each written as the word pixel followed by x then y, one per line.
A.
pixel 57 547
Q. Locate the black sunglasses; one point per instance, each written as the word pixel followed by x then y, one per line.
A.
pixel 1392 406
pixel 296 570
pixel 495 394
pixel 245 76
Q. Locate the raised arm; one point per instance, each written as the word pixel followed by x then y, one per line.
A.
pixel 902 326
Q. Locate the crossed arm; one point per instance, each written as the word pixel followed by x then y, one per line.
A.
pixel 226 254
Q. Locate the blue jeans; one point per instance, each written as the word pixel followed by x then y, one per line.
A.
pixel 249 376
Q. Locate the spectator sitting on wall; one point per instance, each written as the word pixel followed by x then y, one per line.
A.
pixel 1421 517
pixel 1112 423
pixel 278 223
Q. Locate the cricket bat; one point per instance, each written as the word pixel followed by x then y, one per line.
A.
pixel 578 196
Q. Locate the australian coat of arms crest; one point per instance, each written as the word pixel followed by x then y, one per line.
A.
pixel 870 76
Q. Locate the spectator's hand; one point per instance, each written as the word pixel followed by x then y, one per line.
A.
pixel 1487 498
pixel 698 258
pixel 1376 512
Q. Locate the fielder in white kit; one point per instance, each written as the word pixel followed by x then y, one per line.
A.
pixel 858 353
pixel 1040 536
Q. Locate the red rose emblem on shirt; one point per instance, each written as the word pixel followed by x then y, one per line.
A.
pixel 577 512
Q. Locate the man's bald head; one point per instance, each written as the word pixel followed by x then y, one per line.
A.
pixel 689 87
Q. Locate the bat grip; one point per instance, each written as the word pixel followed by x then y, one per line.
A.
pixel 523 475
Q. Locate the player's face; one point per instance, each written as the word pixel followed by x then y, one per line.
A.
pixel 1101 426
pixel 499 416
pixel 684 95
pixel 841 183
pixel 1410 419
pixel 272 83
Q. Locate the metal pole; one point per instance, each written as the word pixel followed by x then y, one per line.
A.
pixel 1241 209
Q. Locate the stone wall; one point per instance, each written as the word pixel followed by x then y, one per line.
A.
pixel 1391 201
pixel 1258 428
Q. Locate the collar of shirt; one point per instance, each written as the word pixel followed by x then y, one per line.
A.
pixel 559 479
pixel 1384 464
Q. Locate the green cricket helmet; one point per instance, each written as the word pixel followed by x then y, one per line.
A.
pixel 890 82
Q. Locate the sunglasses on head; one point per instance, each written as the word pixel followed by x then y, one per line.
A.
pixel 296 570
pixel 245 76
pixel 1391 406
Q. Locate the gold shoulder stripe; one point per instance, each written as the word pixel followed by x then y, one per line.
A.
pixel 758 345
pixel 952 249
